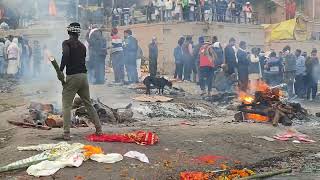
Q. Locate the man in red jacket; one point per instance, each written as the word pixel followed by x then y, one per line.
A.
pixel 207 58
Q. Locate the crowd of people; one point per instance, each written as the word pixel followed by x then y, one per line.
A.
pixel 190 10
pixel 211 65
pixel 19 58
pixel 126 55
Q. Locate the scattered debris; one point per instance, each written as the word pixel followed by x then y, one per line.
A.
pixel 267 175
pixel 105 113
pixel 146 98
pixel 193 175
pixel 137 155
pixel 29 125
pixel 265 138
pixel 291 133
pixel 208 159
pixel 138 137
pixel 221 98
pixel 175 110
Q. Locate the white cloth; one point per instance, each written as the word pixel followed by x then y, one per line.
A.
pixel 47 168
pixel 107 158
pixel 138 61
pixel 216 44
pixel 137 155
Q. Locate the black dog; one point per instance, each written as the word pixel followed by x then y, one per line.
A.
pixel 157 82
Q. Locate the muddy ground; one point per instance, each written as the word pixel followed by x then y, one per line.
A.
pixel 179 143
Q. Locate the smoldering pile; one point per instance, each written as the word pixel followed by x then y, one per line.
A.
pixel 105 113
pixel 175 110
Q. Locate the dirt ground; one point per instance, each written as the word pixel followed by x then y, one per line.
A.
pixel 178 145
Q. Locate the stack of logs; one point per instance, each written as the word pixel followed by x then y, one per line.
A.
pixel 106 114
pixel 45 116
pixel 268 103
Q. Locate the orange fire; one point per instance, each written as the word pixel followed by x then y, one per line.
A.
pixel 245 97
pixel 257 117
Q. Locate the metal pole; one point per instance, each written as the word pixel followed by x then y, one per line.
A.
pixel 77 10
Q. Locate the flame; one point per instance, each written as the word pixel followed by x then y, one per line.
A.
pixel 259 86
pixel 245 97
pixel 257 117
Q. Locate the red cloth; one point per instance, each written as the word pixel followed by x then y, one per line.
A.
pixel 139 137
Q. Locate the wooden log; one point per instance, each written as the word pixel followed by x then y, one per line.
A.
pixel 266 175
pixel 23 124
pixel 54 121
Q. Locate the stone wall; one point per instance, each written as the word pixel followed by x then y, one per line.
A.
pixel 168 35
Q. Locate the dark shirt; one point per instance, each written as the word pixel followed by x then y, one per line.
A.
pixel 230 58
pixel 153 51
pixel 243 63
pixel 73 57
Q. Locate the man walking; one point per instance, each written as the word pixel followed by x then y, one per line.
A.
pixel 2 57
pixel 73 58
pixel 289 69
pixel 153 57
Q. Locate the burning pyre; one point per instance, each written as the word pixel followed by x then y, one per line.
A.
pixel 268 104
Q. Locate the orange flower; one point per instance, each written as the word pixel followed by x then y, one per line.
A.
pixel 91 150
pixel 194 176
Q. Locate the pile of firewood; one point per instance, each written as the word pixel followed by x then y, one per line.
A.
pixel 106 114
pixel 268 104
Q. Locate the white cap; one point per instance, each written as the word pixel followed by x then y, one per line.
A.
pixel 247 2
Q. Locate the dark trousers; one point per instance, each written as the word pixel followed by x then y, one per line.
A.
pixel 99 71
pixel 300 86
pixel 206 77
pixel 118 66
pixel 312 87
pixel 153 67
pixel 132 73
pixel 289 80
pixel 179 71
pixel 243 81
pixel 187 69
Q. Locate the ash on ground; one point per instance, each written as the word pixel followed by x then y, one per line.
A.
pixel 177 110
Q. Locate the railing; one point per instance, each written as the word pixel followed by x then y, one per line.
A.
pixel 196 16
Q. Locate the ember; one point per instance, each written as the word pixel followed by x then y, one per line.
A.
pixel 257 117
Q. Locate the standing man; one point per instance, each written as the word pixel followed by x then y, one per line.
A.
pixel 289 69
pixel 243 66
pixel 188 58
pixel 312 67
pixel 73 58
pixel 230 57
pixel 178 57
pixel 2 57
pixel 300 74
pixel 117 57
pixel 153 57
pixel 207 58
pixel 130 51
pixel 196 58
pixel 37 58
pixel 97 55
